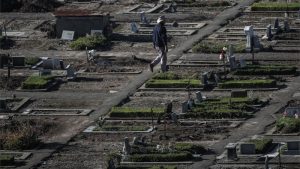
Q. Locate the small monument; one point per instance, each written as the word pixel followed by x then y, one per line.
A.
pixel 126 147
pixel 269 32
pixel 231 151
pixel 199 96
pixel 184 107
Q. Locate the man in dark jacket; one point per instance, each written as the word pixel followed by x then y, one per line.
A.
pixel 159 36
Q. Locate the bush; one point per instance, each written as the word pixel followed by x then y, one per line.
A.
pixel 170 157
pixel 91 42
pixel 266 70
pixel 275 6
pixel 37 82
pixel 6 160
pixel 181 83
pixel 288 125
pixel 261 145
pixel 32 60
pixel 259 83
pixel 216 47
pixel 136 112
pixel 192 148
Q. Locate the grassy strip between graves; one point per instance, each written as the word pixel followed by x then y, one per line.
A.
pixel 288 125
pixel 275 6
pixel 37 82
pixel 180 83
pixel 153 167
pixel 6 160
pixel 168 157
pixel 261 145
pixel 266 70
pixel 257 83
pixel 216 47
pixel 121 128
pixel 136 112
pixel 91 42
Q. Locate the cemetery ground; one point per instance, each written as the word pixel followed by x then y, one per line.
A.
pixel 114 105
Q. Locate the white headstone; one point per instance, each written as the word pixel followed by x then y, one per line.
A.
pixel 67 35
pixel 249 30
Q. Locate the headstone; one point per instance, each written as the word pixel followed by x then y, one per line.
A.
pixel 70 72
pixel 135 140
pixel 127 147
pixel 175 24
pixel 269 32
pixel 267 162
pixel 292 111
pixel 111 164
pixel 276 23
pixel 53 64
pixel 256 43
pixel 217 78
pixel 249 34
pixel 144 19
pixel 204 79
pixel 96 32
pixel 199 96
pixel 62 65
pixel 242 63
pixel 134 28
pixel 190 104
pixel 286 26
pixel 239 93
pixel 174 117
pixel 299 14
pixel 184 107
pixel 246 148
pixel 67 35
pixel 231 51
pixel 231 151
pixel 3 105
pixel 293 145
pixel 168 107
pixel 18 60
pixel 232 63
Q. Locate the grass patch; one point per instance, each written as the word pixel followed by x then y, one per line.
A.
pixel 266 70
pixel 275 6
pixel 181 83
pixel 166 76
pixel 261 145
pixel 192 148
pixel 216 47
pixel 6 160
pixel 288 125
pixel 31 60
pixel 257 83
pixel 91 42
pixel 169 157
pixel 136 112
pixel 37 82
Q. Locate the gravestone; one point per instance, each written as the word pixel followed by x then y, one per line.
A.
pixel 53 64
pixel 174 117
pixel 247 148
pixel 126 147
pixel 239 93
pixel 276 23
pixel 267 162
pixel 199 96
pixel 3 105
pixel 249 34
pixel 67 35
pixel 190 104
pixel 217 78
pixel 70 72
pixel 231 151
pixel 299 14
pixel 204 79
pixel 269 32
pixel 231 51
pixel 184 107
pixel 144 19
pixel 292 111
pixel 18 60
pixel 286 26
pixel 232 63
pixel 168 107
pixel 293 145
pixel 134 28
pixel 242 63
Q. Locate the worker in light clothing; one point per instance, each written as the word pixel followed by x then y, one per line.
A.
pixel 159 36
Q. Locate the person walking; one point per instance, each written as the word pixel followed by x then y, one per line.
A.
pixel 159 37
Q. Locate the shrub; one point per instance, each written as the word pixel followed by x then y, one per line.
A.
pixel 192 148
pixel 91 42
pixel 215 47
pixel 275 6
pixel 261 145
pixel 288 125
pixel 6 160
pixel 183 156
pixel 258 83
pixel 136 112
pixel 181 83
pixel 37 82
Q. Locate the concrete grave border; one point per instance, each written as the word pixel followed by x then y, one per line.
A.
pixel 82 112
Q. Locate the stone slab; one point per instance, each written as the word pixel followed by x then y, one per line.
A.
pixel 57 112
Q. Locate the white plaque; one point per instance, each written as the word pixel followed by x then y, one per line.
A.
pixel 67 35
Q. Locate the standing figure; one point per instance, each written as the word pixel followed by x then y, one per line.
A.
pixel 159 36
